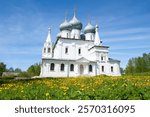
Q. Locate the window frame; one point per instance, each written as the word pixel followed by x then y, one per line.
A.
pixel 103 69
pixel 79 51
pixel 44 50
pixel 52 67
pixel 71 67
pixel 49 50
pixel 62 67
pixel 90 68
pixel 66 50
pixel 112 69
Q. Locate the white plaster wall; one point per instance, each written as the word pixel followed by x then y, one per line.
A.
pixel 116 67
pixel 64 34
pixel 73 47
pixel 46 72
pixel 89 36
pixel 75 33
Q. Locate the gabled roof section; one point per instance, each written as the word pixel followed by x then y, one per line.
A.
pixel 83 60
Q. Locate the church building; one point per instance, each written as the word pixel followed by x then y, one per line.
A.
pixel 77 53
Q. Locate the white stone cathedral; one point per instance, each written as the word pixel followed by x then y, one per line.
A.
pixel 77 54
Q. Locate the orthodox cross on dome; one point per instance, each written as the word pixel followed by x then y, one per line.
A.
pixel 66 16
pixel 89 19
pixel 75 11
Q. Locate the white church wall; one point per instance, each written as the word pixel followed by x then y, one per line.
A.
pixel 116 68
pixel 46 72
pixel 75 34
pixel 65 34
pixel 73 49
pixel 89 36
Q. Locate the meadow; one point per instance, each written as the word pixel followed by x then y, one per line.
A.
pixel 80 88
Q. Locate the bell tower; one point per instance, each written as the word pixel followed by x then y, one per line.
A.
pixel 47 49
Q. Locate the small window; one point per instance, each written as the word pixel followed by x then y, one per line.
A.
pixel 71 67
pixel 44 50
pixel 66 50
pixel 62 67
pixel 102 68
pixel 90 68
pixel 67 35
pixel 91 37
pixel 49 50
pixel 79 51
pixel 52 66
pixel 112 69
pixel 102 58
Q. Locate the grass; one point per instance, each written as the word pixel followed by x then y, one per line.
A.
pixel 82 88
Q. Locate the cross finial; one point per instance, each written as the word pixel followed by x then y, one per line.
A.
pixel 89 19
pixel 74 10
pixel 96 21
pixel 65 15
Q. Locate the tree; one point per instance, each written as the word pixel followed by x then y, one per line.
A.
pixel 2 68
pixel 18 70
pixel 138 64
pixel 11 69
pixel 121 70
pixel 130 67
pixel 34 70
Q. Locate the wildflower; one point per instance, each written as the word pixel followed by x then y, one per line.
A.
pixel 47 94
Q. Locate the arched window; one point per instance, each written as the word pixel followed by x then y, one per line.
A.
pixel 49 50
pixel 112 69
pixel 72 67
pixel 62 66
pixel 102 68
pixel 90 68
pixel 44 50
pixel 52 67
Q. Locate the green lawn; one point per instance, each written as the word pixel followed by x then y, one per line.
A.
pixel 82 88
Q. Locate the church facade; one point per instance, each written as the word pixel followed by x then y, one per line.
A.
pixel 77 54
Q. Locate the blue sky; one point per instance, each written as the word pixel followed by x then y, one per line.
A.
pixel 124 26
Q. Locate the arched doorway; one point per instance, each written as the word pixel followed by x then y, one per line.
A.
pixel 81 69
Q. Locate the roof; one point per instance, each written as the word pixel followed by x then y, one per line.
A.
pixel 113 60
pixel 99 47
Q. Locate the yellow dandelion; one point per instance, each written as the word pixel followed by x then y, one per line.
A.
pixel 47 94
